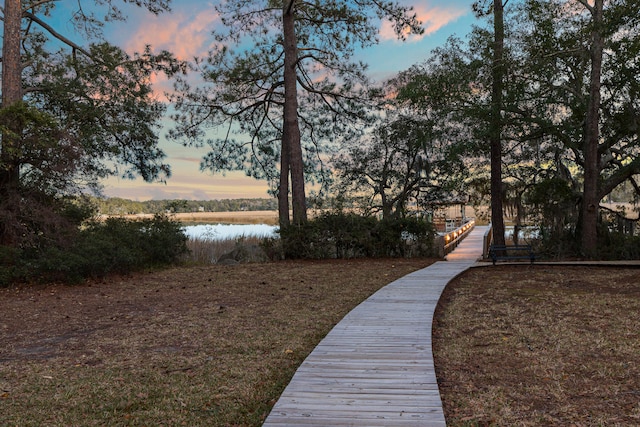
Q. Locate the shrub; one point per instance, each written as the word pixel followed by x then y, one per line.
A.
pixel 116 245
pixel 163 240
pixel 612 245
pixel 407 237
pixel 347 235
pixel 11 269
pixel 552 244
pixel 619 246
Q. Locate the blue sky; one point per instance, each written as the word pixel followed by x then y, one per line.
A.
pixel 185 31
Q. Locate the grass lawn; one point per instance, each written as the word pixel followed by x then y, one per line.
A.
pixel 540 346
pixel 216 345
pixel 197 346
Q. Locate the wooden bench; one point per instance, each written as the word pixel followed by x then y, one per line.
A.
pixel 511 252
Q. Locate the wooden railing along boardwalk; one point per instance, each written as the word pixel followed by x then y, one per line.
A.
pixel 375 367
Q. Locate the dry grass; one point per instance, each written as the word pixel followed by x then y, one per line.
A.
pixel 210 251
pixel 207 251
pixel 216 345
pixel 239 217
pixel 540 346
pixel 197 346
pixel 235 217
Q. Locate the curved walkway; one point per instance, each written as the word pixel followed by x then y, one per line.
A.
pixel 375 367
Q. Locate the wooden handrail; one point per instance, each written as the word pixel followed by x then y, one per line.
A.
pixel 450 241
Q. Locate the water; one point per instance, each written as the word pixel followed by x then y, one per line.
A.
pixel 229 231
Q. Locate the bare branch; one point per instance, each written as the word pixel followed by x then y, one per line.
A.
pixel 55 34
pixel 586 5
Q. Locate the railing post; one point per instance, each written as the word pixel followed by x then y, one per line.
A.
pixel 439 246
pixel 486 242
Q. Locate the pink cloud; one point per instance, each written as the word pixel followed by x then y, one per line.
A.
pixel 196 187
pixel 432 20
pixel 184 34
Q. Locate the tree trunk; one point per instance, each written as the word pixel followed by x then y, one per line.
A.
pixel 11 94
pixel 497 220
pixel 590 199
pixel 291 130
pixel 283 188
pixel 11 64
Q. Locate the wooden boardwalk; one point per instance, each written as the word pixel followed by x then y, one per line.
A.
pixel 375 367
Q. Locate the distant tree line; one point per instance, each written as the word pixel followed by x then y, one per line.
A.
pixel 119 206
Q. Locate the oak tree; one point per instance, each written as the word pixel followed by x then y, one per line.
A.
pixel 74 109
pixel 581 65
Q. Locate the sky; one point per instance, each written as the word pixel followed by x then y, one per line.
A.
pixel 186 32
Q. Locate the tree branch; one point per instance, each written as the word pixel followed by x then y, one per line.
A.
pixel 290 6
pixel 586 5
pixel 55 34
pixel 623 174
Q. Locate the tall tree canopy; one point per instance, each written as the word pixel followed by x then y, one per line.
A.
pixel 569 112
pixel 408 157
pixel 74 107
pixel 280 84
pixel 581 64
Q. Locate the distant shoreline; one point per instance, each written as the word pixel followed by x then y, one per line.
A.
pixel 237 217
pixel 271 217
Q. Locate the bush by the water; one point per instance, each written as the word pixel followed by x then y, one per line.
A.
pixel 612 244
pixel 347 235
pixel 115 245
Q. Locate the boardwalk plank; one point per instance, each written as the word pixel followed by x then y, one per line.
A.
pixel 375 367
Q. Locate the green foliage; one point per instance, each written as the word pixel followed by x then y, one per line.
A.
pixel 10 268
pixel 612 245
pixel 78 113
pixel 559 237
pixel 618 246
pixel 556 245
pixel 553 203
pixel 101 248
pixel 346 235
pixel 407 236
pixel 404 159
pixel 120 246
pixel 545 100
pixel 105 103
pixel 35 219
pixel 91 109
